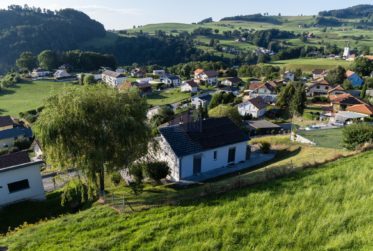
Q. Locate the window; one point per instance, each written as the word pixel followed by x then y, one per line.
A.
pixel 231 155
pixel 18 186
pixel 215 155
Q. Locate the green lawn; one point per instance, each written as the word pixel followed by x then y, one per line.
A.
pixel 327 208
pixel 331 138
pixel 166 97
pixel 27 96
pixel 309 64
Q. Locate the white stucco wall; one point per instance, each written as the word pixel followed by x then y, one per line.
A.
pixel 208 162
pixel 32 174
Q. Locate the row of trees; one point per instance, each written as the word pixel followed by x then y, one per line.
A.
pixel 78 60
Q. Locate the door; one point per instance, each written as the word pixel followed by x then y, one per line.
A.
pixel 231 155
pixel 197 164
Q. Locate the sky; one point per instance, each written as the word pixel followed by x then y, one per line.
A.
pixel 122 14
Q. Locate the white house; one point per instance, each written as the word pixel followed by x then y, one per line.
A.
pixel 232 81
pixel 40 73
pixel 203 146
pixel 61 74
pixel 267 91
pixel 159 72
pixel 20 179
pixel 209 77
pixel 170 80
pixel 319 73
pixel 9 133
pixel 256 107
pixel 318 88
pixel 288 76
pixel 189 86
pixel 112 78
pixel 203 99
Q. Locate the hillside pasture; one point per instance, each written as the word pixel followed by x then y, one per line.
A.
pixel 27 96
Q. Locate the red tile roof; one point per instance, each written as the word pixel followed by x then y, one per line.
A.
pixel 363 108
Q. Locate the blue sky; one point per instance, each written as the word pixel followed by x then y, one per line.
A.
pixel 119 14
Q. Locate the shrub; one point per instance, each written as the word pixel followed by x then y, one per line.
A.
pixel 136 187
pixel 265 147
pixel 356 135
pixel 116 178
pixel 137 172
pixel 157 170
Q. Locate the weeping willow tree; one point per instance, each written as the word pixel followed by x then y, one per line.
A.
pixel 95 129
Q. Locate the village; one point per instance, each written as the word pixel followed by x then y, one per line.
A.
pixel 203 136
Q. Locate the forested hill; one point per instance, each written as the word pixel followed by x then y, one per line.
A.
pixel 33 29
pixel 358 11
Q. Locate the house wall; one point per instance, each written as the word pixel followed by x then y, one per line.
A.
pixel 208 162
pixel 32 174
pixel 166 154
pixel 318 90
pixel 113 82
pixel 247 108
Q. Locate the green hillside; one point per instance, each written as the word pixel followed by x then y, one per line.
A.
pixel 328 208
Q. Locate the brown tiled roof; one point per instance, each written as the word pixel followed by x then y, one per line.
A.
pixel 234 80
pixel 14 159
pixel 319 71
pixel 5 121
pixel 321 81
pixel 211 74
pixel 258 102
pixel 369 57
pixel 255 86
pixel 362 108
pixel 191 82
pixel 346 99
pixel 113 74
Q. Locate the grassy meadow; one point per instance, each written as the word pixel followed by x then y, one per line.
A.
pixel 166 97
pixel 331 138
pixel 27 96
pixel 327 208
pixel 309 64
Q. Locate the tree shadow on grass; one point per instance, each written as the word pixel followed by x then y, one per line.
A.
pixel 31 212
pixel 6 92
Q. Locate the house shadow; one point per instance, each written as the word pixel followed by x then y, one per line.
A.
pixel 15 215
pixel 2 111
pixel 6 92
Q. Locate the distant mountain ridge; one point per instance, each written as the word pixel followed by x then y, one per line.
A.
pixel 358 11
pixel 33 29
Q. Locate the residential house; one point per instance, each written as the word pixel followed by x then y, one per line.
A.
pixel 10 132
pixel 6 122
pixel 112 78
pixel 343 101
pixel 209 77
pixel 138 73
pixel 288 76
pixel 143 87
pixel 40 73
pixel 256 107
pixel 355 79
pixel 20 179
pixel 159 72
pixel 189 86
pixel 319 73
pixel 318 87
pixel 203 99
pixel 121 70
pixel 346 117
pixel 264 90
pixel 170 80
pixel 336 91
pixel 61 74
pixel 195 148
pixel 230 89
pixel 232 81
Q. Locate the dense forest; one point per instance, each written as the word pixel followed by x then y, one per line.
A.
pixel 34 29
pixel 358 11
pixel 254 18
